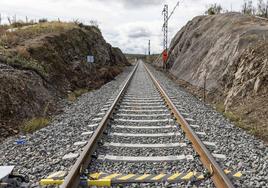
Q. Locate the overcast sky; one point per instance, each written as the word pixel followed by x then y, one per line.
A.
pixel 127 24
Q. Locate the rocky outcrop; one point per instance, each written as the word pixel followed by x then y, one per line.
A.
pixel 36 73
pixel 230 52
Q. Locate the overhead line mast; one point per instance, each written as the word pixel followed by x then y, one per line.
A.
pixel 165 31
pixel 165 27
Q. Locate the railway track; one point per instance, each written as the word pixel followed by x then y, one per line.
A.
pixel 143 139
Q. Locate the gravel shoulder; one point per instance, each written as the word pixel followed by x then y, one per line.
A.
pixel 43 151
pixel 42 154
pixel 243 152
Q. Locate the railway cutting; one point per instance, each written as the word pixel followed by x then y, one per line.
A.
pixel 143 138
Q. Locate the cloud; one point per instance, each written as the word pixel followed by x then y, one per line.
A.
pixel 127 24
pixel 139 3
pixel 135 3
pixel 133 36
pixel 139 33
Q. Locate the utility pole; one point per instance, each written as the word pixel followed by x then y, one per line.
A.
pixel 165 27
pixel 165 40
pixel 149 48
pixel 0 18
pixel 165 31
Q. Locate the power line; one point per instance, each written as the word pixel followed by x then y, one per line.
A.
pixel 172 12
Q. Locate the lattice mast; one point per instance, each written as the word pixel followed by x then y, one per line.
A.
pixel 165 29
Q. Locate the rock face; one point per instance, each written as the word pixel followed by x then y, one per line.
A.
pixel 230 52
pixel 34 74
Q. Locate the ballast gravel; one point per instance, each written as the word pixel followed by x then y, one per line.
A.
pixel 244 152
pixel 142 87
pixel 43 151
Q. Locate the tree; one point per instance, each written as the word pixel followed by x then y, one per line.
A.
pixel 9 20
pixel 94 23
pixel 247 8
pixel 214 9
pixel 262 8
pixel 42 20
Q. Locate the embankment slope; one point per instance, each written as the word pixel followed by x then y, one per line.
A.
pixel 230 52
pixel 43 63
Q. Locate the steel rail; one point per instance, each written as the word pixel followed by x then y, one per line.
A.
pixel 218 176
pixel 73 180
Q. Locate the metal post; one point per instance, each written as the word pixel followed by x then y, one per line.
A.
pixel 204 94
pixel 205 85
pixel 149 48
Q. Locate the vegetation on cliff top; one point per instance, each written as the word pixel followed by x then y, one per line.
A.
pixel 42 63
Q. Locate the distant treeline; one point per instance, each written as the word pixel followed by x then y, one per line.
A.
pixel 261 9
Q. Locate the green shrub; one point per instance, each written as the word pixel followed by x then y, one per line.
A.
pixel 27 63
pixel 77 93
pixel 231 116
pixel 35 124
pixel 220 107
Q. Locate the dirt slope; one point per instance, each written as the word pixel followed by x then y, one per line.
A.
pixel 37 70
pixel 230 52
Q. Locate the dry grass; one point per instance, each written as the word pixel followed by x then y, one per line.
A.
pixel 21 34
pixel 228 114
pixel 14 41
pixel 35 124
pixel 22 52
pixel 252 127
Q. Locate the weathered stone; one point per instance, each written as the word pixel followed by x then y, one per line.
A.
pixel 257 84
pixel 227 51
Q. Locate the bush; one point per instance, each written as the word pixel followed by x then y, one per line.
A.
pixel 232 117
pixel 77 93
pixel 220 107
pixel 214 9
pixel 42 20
pixel 35 124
